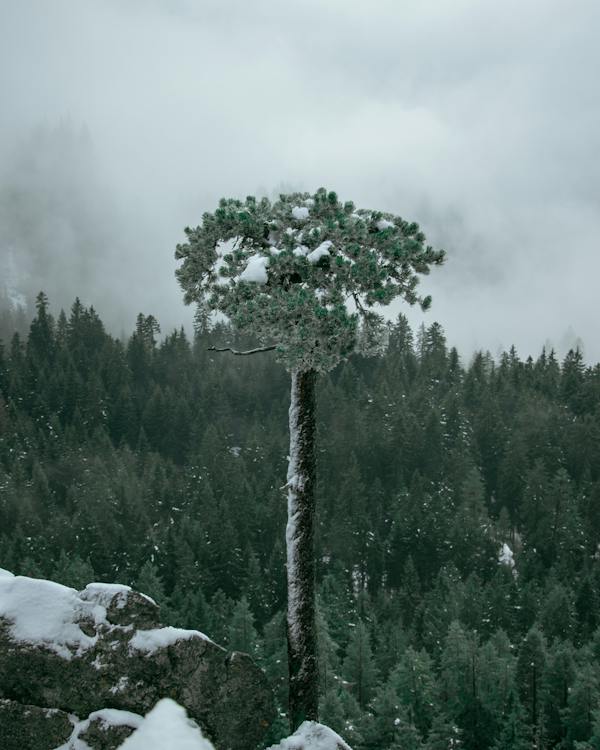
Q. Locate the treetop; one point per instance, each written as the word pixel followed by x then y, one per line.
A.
pixel 306 273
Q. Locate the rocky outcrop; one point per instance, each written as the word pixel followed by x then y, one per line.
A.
pixel 77 653
pixel 23 726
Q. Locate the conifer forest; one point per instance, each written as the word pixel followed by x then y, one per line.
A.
pixel 458 516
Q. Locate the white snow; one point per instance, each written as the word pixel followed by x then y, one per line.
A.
pixel 151 640
pixel 256 270
pixel 275 250
pixel 6 573
pixel 113 717
pixel 103 593
pixel 506 557
pixel 109 717
pixel 45 613
pixel 312 736
pixel 300 213
pixel 319 252
pixel 384 224
pixel 121 685
pixel 167 727
pixel 301 250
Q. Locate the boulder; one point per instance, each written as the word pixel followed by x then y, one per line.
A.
pixel 24 727
pixel 105 647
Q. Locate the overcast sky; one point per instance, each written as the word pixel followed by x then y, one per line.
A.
pixel 480 120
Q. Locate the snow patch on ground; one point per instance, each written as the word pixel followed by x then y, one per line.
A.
pixel 312 736
pixel 167 727
pixel 150 641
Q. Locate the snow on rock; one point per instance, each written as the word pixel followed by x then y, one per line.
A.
pixel 256 270
pixel 106 720
pixel 312 736
pixel 45 613
pixel 103 593
pixel 113 717
pixel 383 224
pixel 319 252
pixel 150 641
pixel 167 727
pixel 106 646
pixel 300 213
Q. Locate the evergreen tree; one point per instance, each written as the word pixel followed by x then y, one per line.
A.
pixel 242 633
pixel 292 298
pixel 359 666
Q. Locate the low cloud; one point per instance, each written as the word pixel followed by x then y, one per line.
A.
pixel 479 120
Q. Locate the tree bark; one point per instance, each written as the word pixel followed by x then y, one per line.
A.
pixel 301 623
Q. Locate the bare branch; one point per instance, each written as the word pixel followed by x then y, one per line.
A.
pixel 359 305
pixel 258 350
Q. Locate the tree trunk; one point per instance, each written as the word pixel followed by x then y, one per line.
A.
pixel 301 623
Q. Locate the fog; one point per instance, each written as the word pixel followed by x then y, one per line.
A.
pixel 121 122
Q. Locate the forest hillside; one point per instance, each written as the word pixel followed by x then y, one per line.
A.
pixel 458 516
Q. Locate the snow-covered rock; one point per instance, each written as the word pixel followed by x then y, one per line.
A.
pixel 311 735
pixel 105 729
pixel 105 646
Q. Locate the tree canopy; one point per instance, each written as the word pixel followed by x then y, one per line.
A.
pixel 305 274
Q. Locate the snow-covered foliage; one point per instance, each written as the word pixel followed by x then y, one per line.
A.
pixel 305 273
pixel 167 727
pixel 256 270
pixel 312 736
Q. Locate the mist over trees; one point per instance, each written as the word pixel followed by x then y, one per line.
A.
pixel 457 556
pixel 64 228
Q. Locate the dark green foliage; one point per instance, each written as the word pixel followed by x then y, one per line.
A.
pixel 157 464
